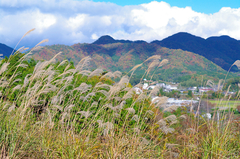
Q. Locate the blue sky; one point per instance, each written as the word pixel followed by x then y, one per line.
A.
pixel 84 21
pixel 205 6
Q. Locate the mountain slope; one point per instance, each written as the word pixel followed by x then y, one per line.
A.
pixel 124 56
pixel 5 50
pixel 223 50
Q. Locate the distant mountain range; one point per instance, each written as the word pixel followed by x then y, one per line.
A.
pixel 5 50
pixel 222 50
pixel 187 54
pixel 112 55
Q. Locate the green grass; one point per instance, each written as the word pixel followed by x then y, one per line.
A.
pixel 225 103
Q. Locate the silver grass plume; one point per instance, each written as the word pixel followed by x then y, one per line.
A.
pixel 22 49
pixel 89 95
pixel 70 71
pixel 94 104
pixel 129 94
pixel 119 86
pixel 170 118
pixel 26 81
pixel 167 130
pixel 54 100
pixel 62 63
pixel 173 122
pixel 150 112
pixel 96 72
pixel 135 67
pixel 237 63
pixel 227 91
pixel 141 97
pixel 6 105
pixel 136 130
pixel 83 63
pixel 66 68
pixel 22 65
pixel 69 79
pixel 135 118
pixel 16 80
pixel 131 110
pixel 220 84
pixel 86 114
pixel 170 146
pixel 68 108
pixel 160 101
pixel 57 107
pixel 105 93
pixel 171 108
pixel 85 72
pixel 162 123
pixel 154 91
pixel 4 67
pixel 14 76
pixel 210 83
pixel 182 117
pixel 154 57
pixel 100 85
pixel 152 65
pixel 163 62
pixel 17 87
pixel 126 89
pixel 83 87
pixel 12 107
pixel 4 83
pixel 117 98
pixel 117 74
pixel 109 74
pixel 144 141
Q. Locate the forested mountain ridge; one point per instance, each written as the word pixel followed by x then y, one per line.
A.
pixel 222 50
pixel 112 55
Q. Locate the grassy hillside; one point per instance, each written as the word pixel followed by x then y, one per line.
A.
pixel 124 56
pixel 56 110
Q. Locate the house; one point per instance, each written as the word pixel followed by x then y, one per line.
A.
pixel 205 89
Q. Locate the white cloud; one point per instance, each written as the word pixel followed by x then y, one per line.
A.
pixel 72 21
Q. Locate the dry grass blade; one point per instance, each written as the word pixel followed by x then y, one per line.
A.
pixel 226 94
pixel 135 67
pixel 163 62
pixel 237 63
pixel 152 65
pixel 22 49
pixel 154 57
pixel 171 108
pixel 43 41
pixel 28 33
pixel 210 83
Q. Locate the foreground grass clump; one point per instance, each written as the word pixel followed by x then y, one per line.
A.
pixel 58 110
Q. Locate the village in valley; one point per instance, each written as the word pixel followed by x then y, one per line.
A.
pixel 184 96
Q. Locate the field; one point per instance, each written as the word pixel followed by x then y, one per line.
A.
pixel 225 103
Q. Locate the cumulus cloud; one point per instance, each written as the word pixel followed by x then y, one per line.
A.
pixel 72 21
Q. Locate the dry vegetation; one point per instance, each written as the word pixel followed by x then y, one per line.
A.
pixel 61 111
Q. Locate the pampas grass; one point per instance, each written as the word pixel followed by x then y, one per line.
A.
pixel 62 111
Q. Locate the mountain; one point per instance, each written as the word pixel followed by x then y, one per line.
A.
pixel 110 55
pixel 222 50
pixel 5 50
pixel 106 39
